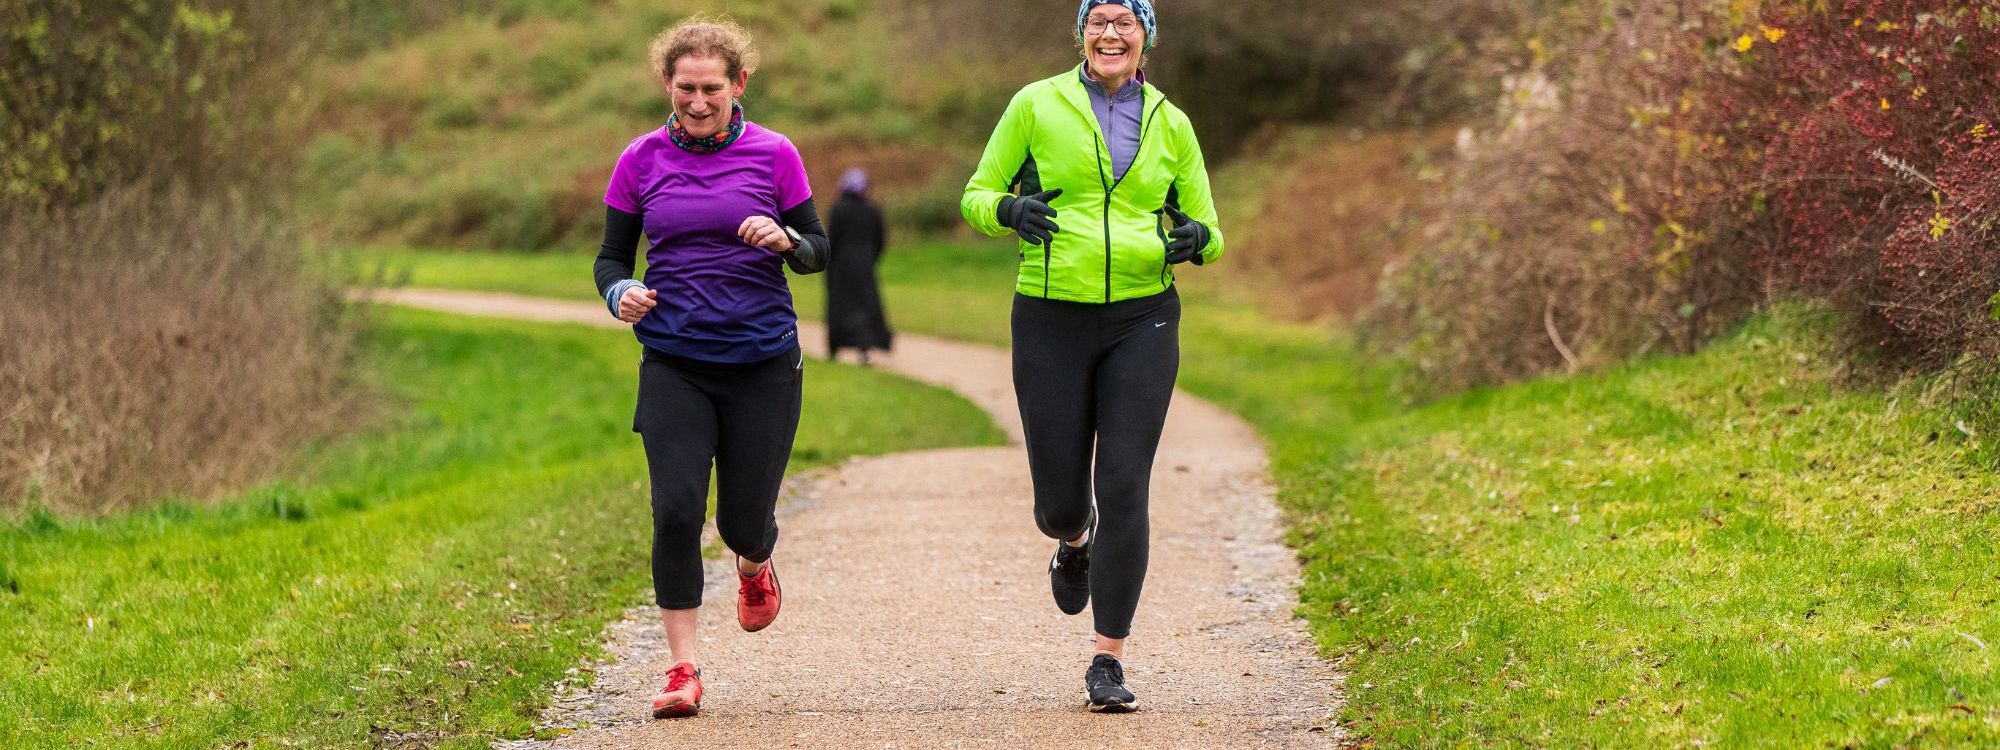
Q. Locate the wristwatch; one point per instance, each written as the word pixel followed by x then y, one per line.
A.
pixel 798 240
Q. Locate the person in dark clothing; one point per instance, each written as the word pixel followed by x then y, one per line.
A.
pixel 854 318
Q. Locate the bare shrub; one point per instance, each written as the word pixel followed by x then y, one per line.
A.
pixel 161 331
pixel 1593 222
pixel 155 343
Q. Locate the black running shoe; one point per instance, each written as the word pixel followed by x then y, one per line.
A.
pixel 1105 684
pixel 1069 572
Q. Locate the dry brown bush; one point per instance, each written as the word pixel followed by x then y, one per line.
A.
pixel 161 331
pixel 1591 224
pixel 153 343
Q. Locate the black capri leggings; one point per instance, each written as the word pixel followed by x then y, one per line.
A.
pixel 740 418
pixel 1096 378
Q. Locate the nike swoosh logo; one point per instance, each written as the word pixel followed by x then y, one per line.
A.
pixel 1159 325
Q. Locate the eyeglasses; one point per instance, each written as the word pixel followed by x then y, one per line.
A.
pixel 1126 26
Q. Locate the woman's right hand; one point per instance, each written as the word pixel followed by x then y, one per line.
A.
pixel 1030 216
pixel 636 303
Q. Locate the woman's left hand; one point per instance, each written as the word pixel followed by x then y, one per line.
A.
pixel 764 232
pixel 1186 240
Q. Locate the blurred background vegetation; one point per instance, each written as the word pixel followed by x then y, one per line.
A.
pixel 1488 189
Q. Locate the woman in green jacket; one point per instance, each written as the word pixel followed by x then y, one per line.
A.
pixel 1102 179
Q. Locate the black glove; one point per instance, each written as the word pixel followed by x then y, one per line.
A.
pixel 1030 216
pixel 1186 239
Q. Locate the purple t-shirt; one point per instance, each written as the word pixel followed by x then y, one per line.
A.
pixel 720 298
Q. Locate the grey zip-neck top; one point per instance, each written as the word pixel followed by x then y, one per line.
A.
pixel 1119 117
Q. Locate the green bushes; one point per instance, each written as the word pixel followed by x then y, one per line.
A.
pixel 105 93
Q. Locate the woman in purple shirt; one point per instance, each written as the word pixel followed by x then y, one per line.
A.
pixel 726 206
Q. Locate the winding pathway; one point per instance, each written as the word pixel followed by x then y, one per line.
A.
pixel 917 611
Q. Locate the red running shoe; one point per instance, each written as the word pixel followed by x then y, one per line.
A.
pixel 681 696
pixel 757 598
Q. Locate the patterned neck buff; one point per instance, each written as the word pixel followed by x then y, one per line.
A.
pixel 711 143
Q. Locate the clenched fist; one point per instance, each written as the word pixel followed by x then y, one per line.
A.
pixel 636 303
pixel 764 232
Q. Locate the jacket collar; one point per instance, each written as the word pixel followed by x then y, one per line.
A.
pixel 1132 89
pixel 1071 86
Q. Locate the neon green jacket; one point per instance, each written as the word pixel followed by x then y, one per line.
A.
pixel 1112 242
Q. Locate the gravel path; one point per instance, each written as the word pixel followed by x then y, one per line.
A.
pixel 917 610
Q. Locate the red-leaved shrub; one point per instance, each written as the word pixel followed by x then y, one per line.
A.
pixel 1881 150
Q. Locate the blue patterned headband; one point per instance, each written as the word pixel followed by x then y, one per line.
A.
pixel 1141 8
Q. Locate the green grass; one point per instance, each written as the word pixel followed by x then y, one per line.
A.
pixel 1730 549
pixel 427 582
pixel 499 128
pixel 553 275
pixel 959 290
pixel 1723 550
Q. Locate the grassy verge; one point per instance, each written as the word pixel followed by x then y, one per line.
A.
pixel 1719 550
pixel 426 585
pixel 951 289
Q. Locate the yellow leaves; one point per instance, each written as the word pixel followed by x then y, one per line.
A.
pixel 1598 226
pixel 1540 53
pixel 1981 131
pixel 1887 26
pixel 1939 225
pixel 1618 199
pixel 1939 222
pixel 1771 35
pixel 1885 103
pixel 1918 93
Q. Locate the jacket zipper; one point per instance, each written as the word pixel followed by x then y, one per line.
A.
pixel 1107 213
pixel 1145 125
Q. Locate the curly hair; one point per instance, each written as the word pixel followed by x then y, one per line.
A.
pixel 704 36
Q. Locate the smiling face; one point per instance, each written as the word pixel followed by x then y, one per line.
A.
pixel 702 91
pixel 1111 54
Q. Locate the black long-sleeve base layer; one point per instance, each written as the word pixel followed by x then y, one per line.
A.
pixel 618 255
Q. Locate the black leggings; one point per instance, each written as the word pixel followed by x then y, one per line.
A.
pixel 741 419
pixel 1097 376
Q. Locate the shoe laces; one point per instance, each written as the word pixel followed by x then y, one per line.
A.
pixel 680 676
pixel 1073 560
pixel 1106 671
pixel 757 588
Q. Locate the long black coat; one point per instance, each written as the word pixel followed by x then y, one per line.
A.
pixel 854 318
